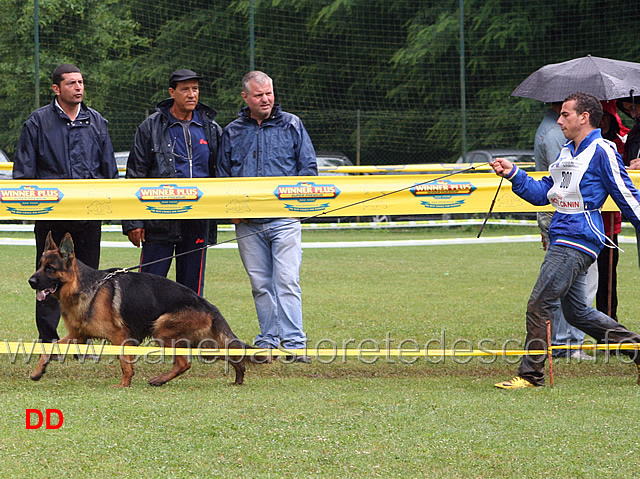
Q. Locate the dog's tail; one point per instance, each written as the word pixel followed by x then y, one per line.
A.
pixel 266 358
pixel 245 355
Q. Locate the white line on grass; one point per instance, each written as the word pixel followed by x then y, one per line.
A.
pixel 349 244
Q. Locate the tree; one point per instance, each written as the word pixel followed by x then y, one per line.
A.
pixel 95 35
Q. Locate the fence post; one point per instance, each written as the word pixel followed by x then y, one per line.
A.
pixel 463 91
pixel 36 46
pixel 358 137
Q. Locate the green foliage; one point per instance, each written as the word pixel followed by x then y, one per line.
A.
pixel 95 35
pixel 382 75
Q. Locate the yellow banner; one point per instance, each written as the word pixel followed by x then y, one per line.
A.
pixel 349 195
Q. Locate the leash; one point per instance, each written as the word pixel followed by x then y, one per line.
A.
pixel 307 218
pixel 486 218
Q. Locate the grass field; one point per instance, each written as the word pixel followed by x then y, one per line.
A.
pixel 346 418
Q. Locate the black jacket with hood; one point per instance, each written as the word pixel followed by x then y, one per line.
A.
pixel 152 157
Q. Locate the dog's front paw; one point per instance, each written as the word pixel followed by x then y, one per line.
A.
pixel 38 372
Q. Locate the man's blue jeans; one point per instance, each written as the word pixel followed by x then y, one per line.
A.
pixel 272 253
pixel 562 278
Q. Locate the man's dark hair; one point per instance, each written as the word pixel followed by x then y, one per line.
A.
pixel 630 99
pixel 586 103
pixel 56 77
pixel 614 127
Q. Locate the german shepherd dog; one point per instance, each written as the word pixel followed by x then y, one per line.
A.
pixel 126 308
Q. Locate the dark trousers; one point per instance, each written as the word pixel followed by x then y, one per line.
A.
pixel 557 283
pixel 190 267
pixel 606 256
pixel 86 240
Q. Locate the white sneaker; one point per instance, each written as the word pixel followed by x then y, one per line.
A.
pixel 580 355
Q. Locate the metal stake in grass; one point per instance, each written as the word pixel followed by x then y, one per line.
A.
pixel 549 353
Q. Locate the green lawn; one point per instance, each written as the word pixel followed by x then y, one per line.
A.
pixel 347 418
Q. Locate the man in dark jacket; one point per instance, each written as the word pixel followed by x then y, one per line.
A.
pixel 179 140
pixel 63 140
pixel 630 106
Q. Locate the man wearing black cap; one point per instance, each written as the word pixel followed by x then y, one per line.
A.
pixel 179 140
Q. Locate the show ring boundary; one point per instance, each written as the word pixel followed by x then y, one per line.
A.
pixel 449 192
pixel 27 350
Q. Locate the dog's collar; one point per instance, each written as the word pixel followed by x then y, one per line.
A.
pixel 111 275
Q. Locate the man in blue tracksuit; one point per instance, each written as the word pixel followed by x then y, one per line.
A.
pixel 547 146
pixel 586 172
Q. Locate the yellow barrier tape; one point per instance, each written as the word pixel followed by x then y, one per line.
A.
pixel 36 348
pixel 298 197
pixel 446 189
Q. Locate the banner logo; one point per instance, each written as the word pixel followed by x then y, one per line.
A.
pixel 169 199
pixel 302 196
pixel 30 200
pixel 442 193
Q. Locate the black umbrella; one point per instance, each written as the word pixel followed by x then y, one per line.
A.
pixel 604 78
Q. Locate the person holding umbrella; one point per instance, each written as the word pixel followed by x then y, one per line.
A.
pixel 630 106
pixel 587 171
pixel 612 129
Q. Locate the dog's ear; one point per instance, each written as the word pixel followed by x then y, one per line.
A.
pixel 66 247
pixel 49 244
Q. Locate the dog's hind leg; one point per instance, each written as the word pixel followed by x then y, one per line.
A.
pixel 180 365
pixel 238 364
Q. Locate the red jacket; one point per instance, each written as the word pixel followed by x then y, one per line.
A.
pixel 612 219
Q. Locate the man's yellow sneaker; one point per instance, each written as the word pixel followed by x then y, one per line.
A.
pixel 515 383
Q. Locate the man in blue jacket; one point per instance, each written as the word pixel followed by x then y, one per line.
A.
pixel 587 171
pixel 65 139
pixel 548 143
pixel 266 141
pixel 179 140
